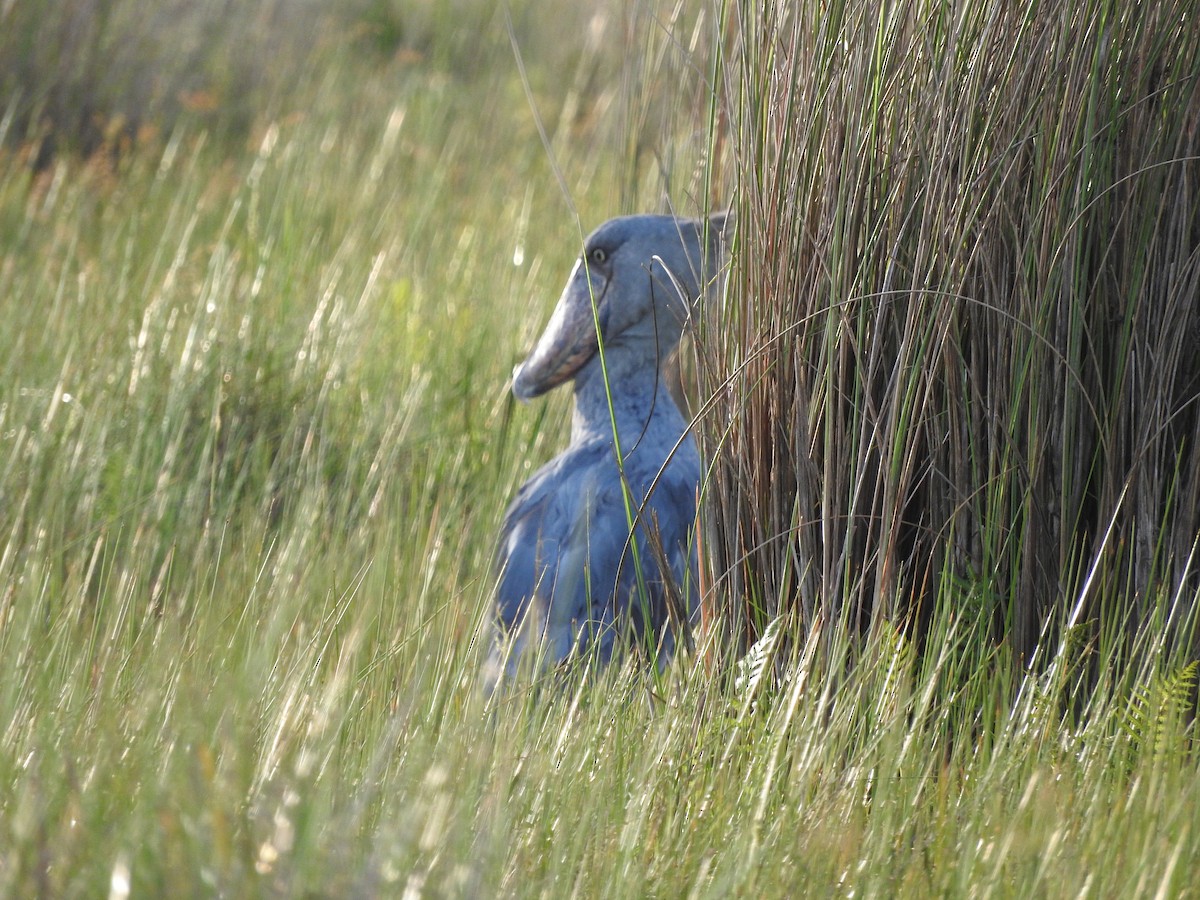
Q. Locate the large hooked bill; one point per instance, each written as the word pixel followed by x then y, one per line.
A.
pixel 570 338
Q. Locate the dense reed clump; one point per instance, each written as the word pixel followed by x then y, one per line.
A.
pixel 961 357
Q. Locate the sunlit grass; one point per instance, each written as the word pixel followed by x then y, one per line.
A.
pixel 255 443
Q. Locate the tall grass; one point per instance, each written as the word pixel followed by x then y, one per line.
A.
pixel 255 442
pixel 961 356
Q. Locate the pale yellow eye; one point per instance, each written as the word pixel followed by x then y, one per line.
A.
pixel 598 256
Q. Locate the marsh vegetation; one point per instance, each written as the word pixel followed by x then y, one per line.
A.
pixel 261 305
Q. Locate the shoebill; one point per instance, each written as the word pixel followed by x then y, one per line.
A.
pixel 597 551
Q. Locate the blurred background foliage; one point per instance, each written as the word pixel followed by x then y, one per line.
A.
pixel 92 76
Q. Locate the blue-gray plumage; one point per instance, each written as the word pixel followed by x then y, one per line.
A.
pixel 570 578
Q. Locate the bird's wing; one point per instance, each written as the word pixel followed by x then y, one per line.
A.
pixel 569 574
pixel 626 582
pixel 673 505
pixel 664 535
pixel 538 555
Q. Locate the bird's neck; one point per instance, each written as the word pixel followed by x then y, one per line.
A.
pixel 636 391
